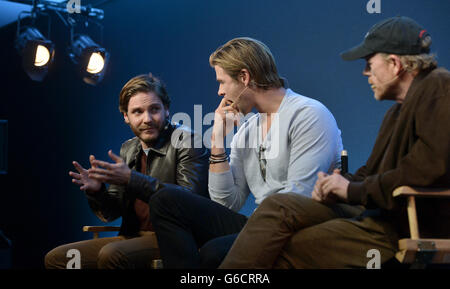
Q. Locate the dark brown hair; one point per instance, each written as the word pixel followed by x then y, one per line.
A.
pixel 142 83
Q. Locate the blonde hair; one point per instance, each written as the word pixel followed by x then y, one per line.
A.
pixel 419 62
pixel 251 54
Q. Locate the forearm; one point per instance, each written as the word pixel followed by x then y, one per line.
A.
pixel 227 183
pixel 376 190
pixel 218 149
pixel 142 186
pixel 224 191
pixel 105 204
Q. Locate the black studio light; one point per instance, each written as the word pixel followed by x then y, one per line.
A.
pixel 37 52
pixel 89 57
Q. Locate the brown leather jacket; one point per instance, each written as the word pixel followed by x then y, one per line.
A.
pixel 170 163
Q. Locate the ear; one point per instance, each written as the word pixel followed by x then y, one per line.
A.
pixel 125 118
pixel 397 64
pixel 244 76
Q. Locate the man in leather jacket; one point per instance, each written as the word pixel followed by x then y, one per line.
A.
pixel 160 155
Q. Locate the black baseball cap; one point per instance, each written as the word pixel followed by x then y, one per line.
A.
pixel 397 35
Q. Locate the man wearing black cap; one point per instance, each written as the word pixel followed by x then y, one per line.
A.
pixel 412 148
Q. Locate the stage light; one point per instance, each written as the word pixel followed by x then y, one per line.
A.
pixel 90 58
pixel 96 63
pixel 42 56
pixel 37 52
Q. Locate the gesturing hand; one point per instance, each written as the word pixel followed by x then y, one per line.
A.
pixel 82 178
pixel 117 173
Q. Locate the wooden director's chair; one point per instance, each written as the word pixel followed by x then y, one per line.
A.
pixel 417 251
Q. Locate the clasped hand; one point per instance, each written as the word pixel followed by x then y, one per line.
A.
pixel 330 188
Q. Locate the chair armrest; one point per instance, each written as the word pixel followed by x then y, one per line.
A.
pixel 100 228
pixel 422 192
pixel 97 229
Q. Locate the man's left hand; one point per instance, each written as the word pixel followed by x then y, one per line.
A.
pixel 117 173
pixel 335 184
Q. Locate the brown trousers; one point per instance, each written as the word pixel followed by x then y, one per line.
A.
pixel 109 253
pixel 293 231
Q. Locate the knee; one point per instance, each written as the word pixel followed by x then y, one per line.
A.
pixel 277 211
pixel 161 198
pixel 162 201
pixel 55 259
pixel 273 202
pixel 111 257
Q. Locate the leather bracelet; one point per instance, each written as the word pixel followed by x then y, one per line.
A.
pixel 218 158
pixel 216 161
pixel 219 155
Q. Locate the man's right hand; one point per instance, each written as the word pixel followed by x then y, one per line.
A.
pixel 82 179
pixel 226 117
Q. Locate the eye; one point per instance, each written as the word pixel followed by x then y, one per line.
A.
pixel 155 109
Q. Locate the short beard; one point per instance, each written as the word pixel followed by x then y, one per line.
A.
pixel 150 142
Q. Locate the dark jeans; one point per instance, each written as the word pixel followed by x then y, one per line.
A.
pixel 185 222
pixel 214 251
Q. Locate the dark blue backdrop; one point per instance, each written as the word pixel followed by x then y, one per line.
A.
pixel 63 119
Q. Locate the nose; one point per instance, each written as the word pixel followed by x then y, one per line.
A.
pixel 221 92
pixel 147 117
pixel 366 71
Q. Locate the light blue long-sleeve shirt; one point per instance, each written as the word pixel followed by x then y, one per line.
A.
pixel 303 140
